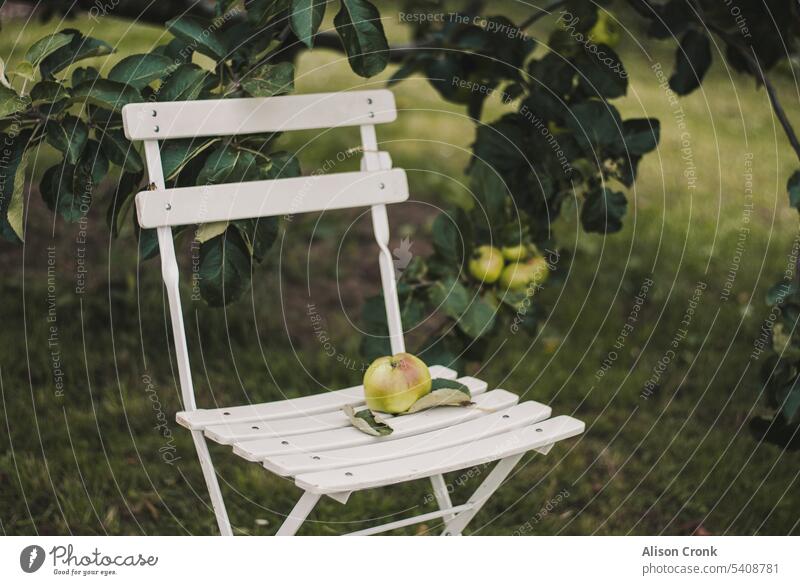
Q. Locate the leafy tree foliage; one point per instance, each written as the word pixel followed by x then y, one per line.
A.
pixel 562 140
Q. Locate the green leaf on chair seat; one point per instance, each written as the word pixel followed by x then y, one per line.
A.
pixel 359 25
pixel 367 422
pixel 443 396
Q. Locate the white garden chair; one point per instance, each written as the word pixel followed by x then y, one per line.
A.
pixel 310 439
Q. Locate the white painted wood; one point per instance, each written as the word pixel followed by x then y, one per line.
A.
pixel 444 513
pixel 494 480
pixel 485 425
pixel 298 514
pixel 226 117
pixel 442 461
pixel 259 449
pixel 373 161
pixel 292 407
pixel 227 434
pixel 442 495
pixel 212 483
pixel 284 197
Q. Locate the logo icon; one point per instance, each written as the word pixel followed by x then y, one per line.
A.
pixel 31 558
pixel 402 257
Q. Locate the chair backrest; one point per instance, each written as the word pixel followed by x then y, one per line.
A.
pixel 375 185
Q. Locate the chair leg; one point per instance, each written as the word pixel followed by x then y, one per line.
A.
pixel 481 495
pixel 298 514
pixel 442 495
pixel 210 476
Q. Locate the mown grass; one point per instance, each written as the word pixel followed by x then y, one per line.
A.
pixel 680 460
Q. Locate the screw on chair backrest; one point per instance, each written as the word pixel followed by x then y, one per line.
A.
pixel 375 185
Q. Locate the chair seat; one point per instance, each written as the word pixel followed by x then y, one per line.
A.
pixel 311 439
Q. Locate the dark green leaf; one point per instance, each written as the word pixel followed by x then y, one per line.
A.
pixel 595 123
pixel 478 319
pixel 122 200
pixel 48 92
pixel 641 135
pixel 15 154
pixel 447 241
pixel 105 93
pixel 120 151
pixel 227 164
pixel 139 70
pixel 69 136
pixel 43 47
pixel 11 103
pixel 793 188
pixel 199 34
pixel 490 192
pixel 307 15
pixel 185 83
pixel 224 269
pixel 176 154
pixel 359 25
pixel 450 296
pixel 284 165
pixel 269 80
pixel 441 397
pixel 367 422
pixel 692 61
pixel 84 75
pixel 603 74
pixel 259 234
pixel 603 211
pixel 79 48
pixel 147 241
pixel 440 383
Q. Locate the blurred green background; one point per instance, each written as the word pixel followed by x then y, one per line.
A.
pixel 681 461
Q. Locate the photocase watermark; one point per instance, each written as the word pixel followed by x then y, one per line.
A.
pixel 686 150
pixel 622 338
pixel 328 347
pixel 490 25
pixel 168 451
pixel 569 22
pixel 785 287
pixel 552 141
pixel 739 18
pixel 102 8
pixel 677 340
pixel 461 480
pixel 67 562
pixel 53 338
pixel 327 165
pixel 551 504
pixel 744 229
pixel 402 257
pixel 551 257
pixel 81 237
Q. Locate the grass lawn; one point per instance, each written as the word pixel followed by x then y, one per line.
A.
pixel 667 447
